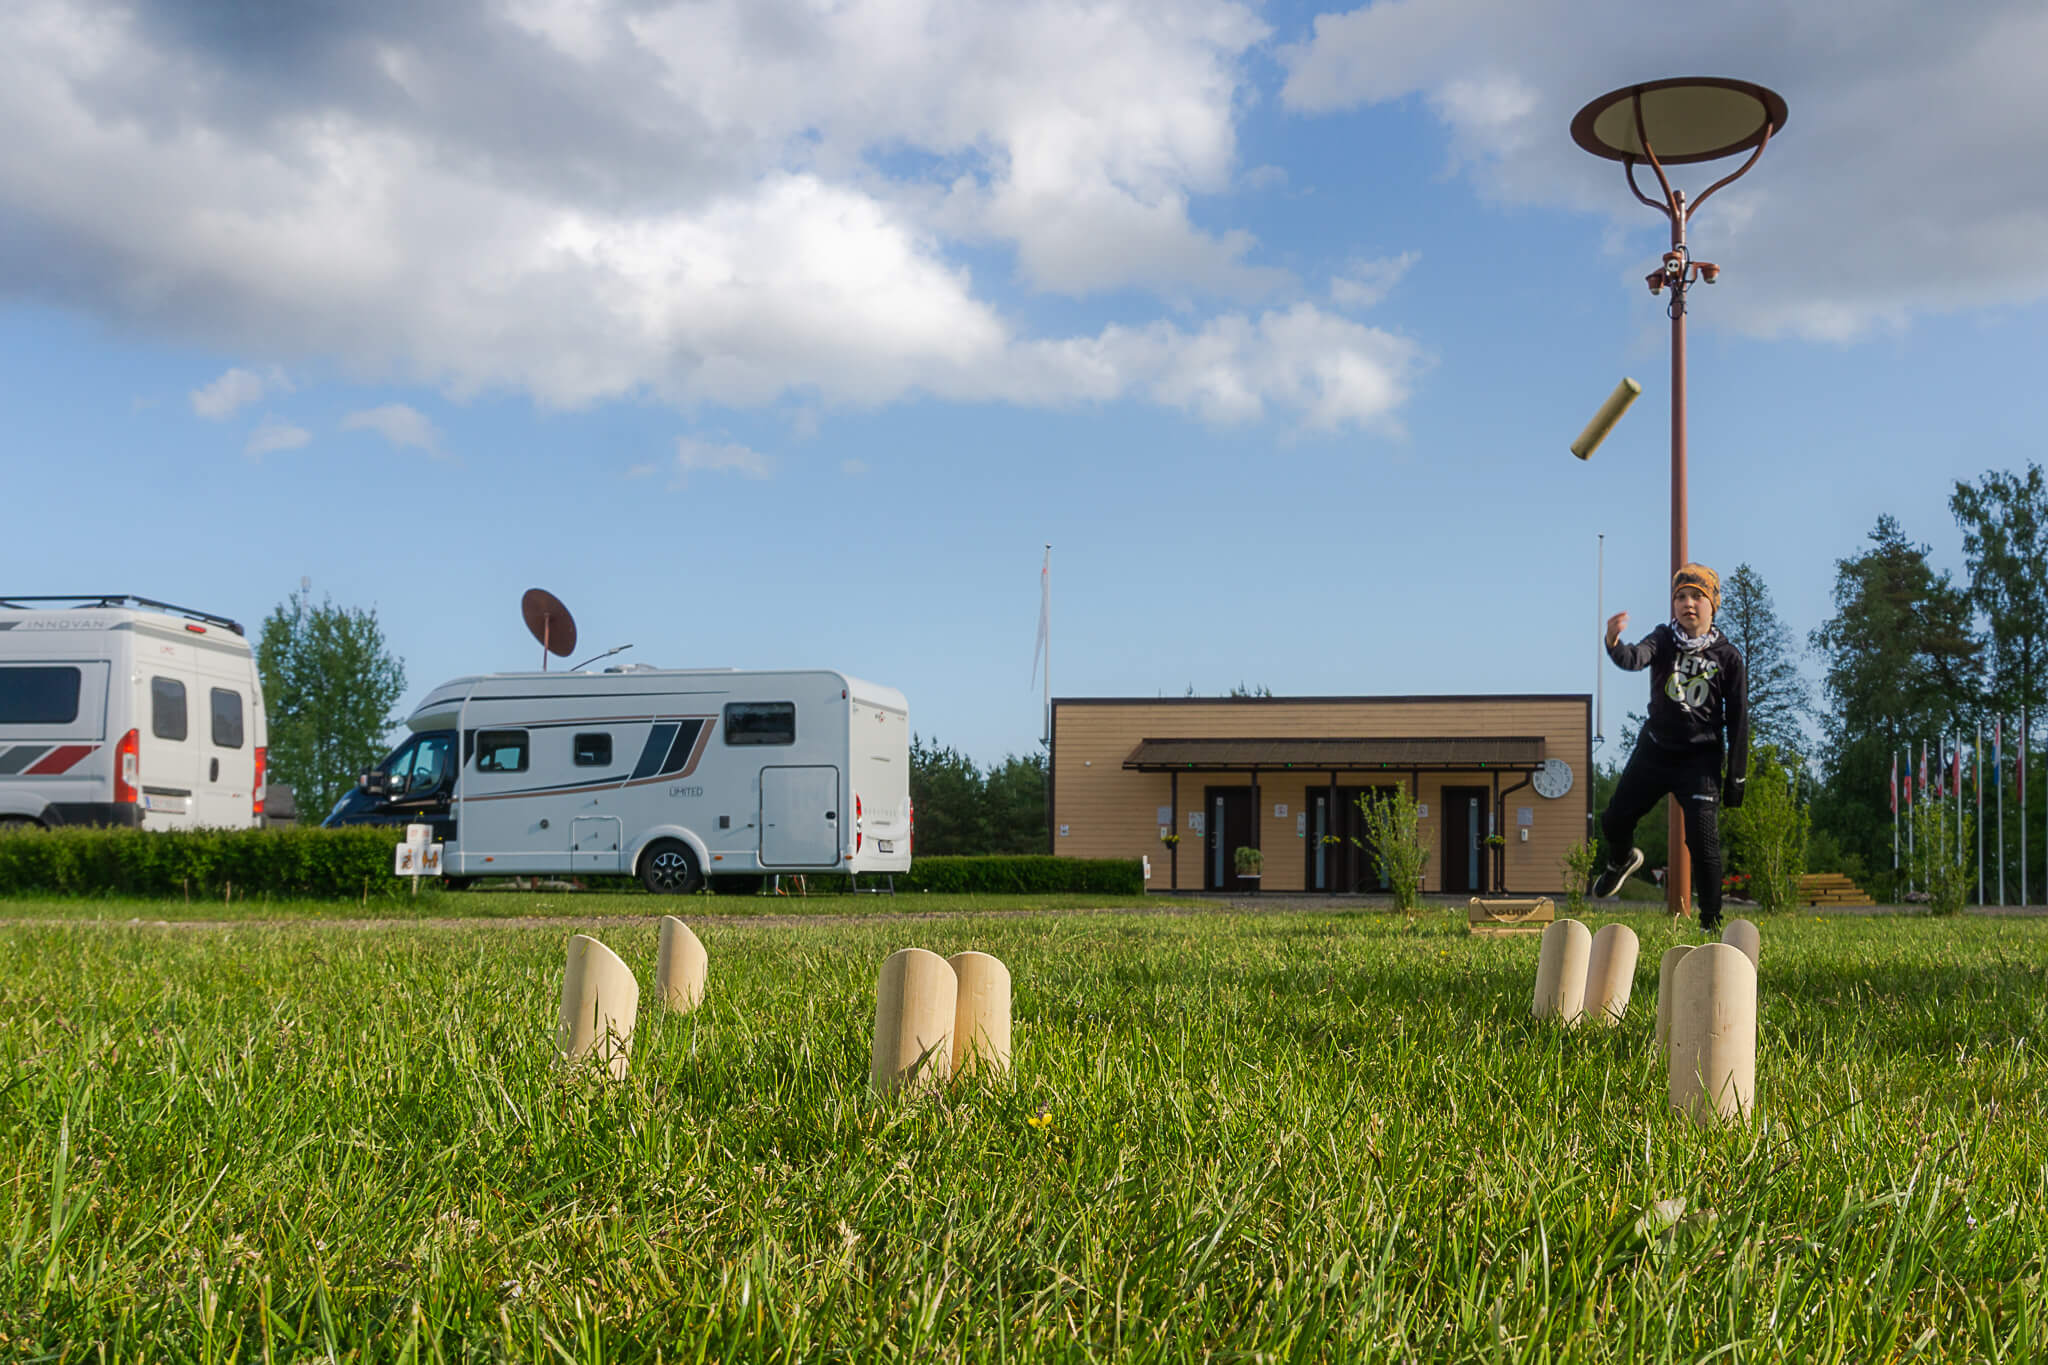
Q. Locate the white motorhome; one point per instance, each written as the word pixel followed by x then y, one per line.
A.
pixel 119 710
pixel 670 775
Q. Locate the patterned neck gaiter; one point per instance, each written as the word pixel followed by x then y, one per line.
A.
pixel 1693 644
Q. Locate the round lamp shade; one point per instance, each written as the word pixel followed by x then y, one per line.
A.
pixel 1690 118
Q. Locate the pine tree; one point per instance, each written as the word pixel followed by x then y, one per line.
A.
pixel 1780 699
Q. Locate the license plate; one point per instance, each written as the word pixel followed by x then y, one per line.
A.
pixel 884 846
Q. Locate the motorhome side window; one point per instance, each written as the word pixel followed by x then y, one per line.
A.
pixel 167 708
pixel 760 722
pixel 227 718
pixel 38 696
pixel 594 751
pixel 501 751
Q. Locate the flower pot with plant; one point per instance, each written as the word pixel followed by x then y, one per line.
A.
pixel 1249 861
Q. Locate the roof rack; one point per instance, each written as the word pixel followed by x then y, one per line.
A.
pixel 85 600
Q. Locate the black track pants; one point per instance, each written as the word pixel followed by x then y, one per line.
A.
pixel 1692 780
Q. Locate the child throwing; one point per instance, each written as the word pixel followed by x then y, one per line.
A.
pixel 1695 745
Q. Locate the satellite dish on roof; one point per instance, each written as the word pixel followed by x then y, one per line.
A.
pixel 550 623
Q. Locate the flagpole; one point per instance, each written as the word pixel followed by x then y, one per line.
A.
pixel 1600 655
pixel 1895 821
pixel 2020 772
pixel 1909 815
pixel 1998 784
pixel 1047 604
pixel 1977 771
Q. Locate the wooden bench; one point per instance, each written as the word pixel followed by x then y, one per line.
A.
pixel 1831 888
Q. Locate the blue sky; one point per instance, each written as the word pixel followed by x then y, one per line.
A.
pixel 777 334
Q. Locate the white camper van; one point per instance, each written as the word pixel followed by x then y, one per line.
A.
pixel 670 775
pixel 118 710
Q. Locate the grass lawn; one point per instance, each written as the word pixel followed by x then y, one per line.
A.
pixel 1303 1136
pixel 491 903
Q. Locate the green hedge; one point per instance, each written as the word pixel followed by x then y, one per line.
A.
pixel 342 863
pixel 306 862
pixel 1035 874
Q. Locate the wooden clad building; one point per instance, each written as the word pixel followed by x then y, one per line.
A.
pixel 1285 775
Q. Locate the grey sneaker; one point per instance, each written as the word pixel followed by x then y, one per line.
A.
pixel 1608 884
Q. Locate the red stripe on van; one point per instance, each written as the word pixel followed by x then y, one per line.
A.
pixel 59 759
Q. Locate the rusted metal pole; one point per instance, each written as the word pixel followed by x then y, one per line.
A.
pixel 1678 865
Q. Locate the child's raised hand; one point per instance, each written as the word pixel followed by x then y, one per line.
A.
pixel 1616 624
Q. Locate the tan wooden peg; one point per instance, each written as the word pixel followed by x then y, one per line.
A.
pixel 1561 972
pixel 1611 973
pixel 600 1003
pixel 681 966
pixel 1741 933
pixel 916 998
pixel 1713 1036
pixel 1667 991
pixel 981 1017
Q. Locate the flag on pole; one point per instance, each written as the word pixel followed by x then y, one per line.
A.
pixel 1895 783
pixel 1923 770
pixel 1956 772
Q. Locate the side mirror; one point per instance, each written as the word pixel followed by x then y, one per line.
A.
pixel 375 783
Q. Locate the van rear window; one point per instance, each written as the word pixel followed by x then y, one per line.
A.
pixel 38 694
pixel 167 708
pixel 227 718
pixel 760 722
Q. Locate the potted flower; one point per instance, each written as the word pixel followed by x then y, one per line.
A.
pixel 1168 837
pixel 1249 863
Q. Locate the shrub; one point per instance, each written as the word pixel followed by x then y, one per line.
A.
pixel 1943 873
pixel 1767 833
pixel 1579 862
pixel 338 863
pixel 1393 836
pixel 342 863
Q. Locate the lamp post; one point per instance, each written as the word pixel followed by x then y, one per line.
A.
pixel 1671 123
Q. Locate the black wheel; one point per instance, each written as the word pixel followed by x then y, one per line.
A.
pixel 668 868
pixel 735 884
pixel 457 883
pixel 18 824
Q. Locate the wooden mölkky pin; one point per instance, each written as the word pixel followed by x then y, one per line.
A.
pixel 1611 973
pixel 917 997
pixel 1741 933
pixel 1713 1035
pixel 1561 972
pixel 981 1016
pixel 680 967
pixel 600 1003
pixel 1667 991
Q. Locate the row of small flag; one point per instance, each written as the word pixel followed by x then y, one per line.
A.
pixel 1947 772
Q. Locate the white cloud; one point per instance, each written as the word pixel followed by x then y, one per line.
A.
pixel 705 457
pixel 853 468
pixel 236 388
pixel 733 201
pixel 403 426
pixel 1365 283
pixel 1891 193
pixel 640 471
pixel 273 435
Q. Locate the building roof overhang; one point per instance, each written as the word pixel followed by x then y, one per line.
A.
pixel 1460 753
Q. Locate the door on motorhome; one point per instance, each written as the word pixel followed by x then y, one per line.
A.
pixel 169 756
pixel 799 817
pixel 227 763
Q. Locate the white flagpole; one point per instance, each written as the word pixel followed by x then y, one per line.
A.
pixel 1998 773
pixel 1600 656
pixel 2021 772
pixel 1977 770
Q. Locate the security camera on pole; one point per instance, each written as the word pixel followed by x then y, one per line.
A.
pixel 1669 123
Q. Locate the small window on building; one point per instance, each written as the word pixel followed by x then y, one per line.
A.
pixel 501 751
pixel 38 695
pixel 594 751
pixel 760 722
pixel 167 708
pixel 227 718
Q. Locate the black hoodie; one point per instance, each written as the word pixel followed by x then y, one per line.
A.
pixel 1695 695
